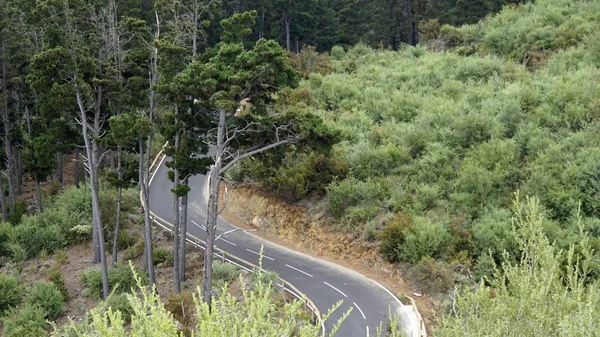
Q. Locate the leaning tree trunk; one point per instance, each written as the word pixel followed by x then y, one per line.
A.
pixel 92 153
pixel 38 194
pixel 144 184
pixel 118 219
pixel 212 212
pixel 183 234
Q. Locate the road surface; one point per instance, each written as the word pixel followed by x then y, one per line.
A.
pixel 322 282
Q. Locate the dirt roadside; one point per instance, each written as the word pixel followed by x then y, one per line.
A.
pixel 303 228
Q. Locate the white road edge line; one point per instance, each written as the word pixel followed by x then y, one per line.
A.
pixel 336 289
pixel 231 243
pixel 298 270
pixel 361 312
pixel 156 170
pixel 257 253
pixel 201 226
pixel 368 334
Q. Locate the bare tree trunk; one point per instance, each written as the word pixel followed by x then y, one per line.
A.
pixel 59 167
pixel 3 200
pixel 92 154
pixel 38 194
pixel 146 203
pixel 19 171
pixel 176 224
pixel 183 235
pixel 77 168
pixel 10 160
pixel 118 219
pixel 212 212
pixel 286 23
pixel 195 30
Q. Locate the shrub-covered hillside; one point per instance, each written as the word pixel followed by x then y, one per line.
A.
pixel 434 145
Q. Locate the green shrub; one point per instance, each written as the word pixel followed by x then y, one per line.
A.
pixel 61 257
pixel 5 230
pixel 35 235
pixel 161 255
pixel 17 251
pixel 433 276
pixel 28 320
pixel 48 297
pixel 353 192
pixel 120 279
pixel 182 308
pixel 56 277
pixel 494 234
pixel 393 236
pixel 425 239
pixel 15 216
pixel 119 302
pixel 225 272
pixel 338 53
pixel 134 251
pixel 10 292
pixel 126 240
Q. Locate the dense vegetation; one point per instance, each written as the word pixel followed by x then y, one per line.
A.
pixel 434 144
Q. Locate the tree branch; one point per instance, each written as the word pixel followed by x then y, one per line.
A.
pixel 256 151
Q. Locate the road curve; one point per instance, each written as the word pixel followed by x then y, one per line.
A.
pixel 322 282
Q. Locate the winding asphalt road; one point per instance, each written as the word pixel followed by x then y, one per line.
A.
pixel 322 282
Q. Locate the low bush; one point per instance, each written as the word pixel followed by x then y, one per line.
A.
pixel 226 272
pixel 61 257
pixel 10 292
pixel 120 279
pixel 28 320
pixel 134 251
pixel 183 309
pixel 126 240
pixel 353 192
pixel 425 239
pixel 119 302
pixel 48 298
pixel 56 277
pixel 161 255
pixel 393 236
pixel 5 229
pixel 433 276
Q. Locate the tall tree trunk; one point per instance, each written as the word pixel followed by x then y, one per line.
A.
pixel 77 168
pixel 212 212
pixel 59 167
pixel 286 24
pixel 195 30
pixel 92 153
pixel 144 184
pixel 177 221
pixel 118 219
pixel 10 160
pixel 414 36
pixel 19 163
pixel 183 234
pixel 38 194
pixel 3 200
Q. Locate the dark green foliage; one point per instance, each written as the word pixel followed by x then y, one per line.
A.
pixel 433 276
pixel 120 279
pixel 161 255
pixel 28 320
pixel 225 272
pixel 10 292
pixel 48 297
pixel 182 308
pixel 55 276
pixel 393 236
pixel 355 193
pixel 119 302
